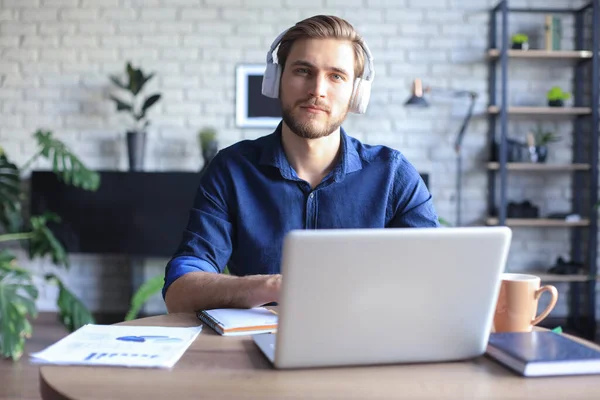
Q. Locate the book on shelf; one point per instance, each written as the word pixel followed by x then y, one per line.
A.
pixel 240 321
pixel 553 32
pixel 543 353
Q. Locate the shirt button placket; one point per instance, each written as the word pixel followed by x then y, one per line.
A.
pixel 311 211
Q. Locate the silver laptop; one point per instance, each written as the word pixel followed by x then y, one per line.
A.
pixel 382 296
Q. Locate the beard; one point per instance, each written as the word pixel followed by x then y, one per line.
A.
pixel 312 128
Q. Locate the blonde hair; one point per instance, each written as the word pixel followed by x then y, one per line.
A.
pixel 323 27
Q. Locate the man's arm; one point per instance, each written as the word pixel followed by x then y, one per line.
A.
pixel 193 277
pixel 205 290
pixel 422 215
pixel 412 204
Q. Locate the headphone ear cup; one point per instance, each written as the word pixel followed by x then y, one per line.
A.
pixel 271 78
pixel 360 96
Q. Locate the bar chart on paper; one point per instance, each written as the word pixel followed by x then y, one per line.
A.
pixel 125 346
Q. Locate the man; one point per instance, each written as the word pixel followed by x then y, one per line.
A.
pixel 308 174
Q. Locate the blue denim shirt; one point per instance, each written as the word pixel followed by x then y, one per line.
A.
pixel 250 196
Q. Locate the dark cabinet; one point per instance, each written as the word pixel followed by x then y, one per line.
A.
pixel 132 213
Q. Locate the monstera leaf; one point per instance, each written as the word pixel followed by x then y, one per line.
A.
pixel 10 194
pixel 65 164
pixel 143 294
pixel 17 301
pixel 72 312
pixel 17 290
pixel 43 242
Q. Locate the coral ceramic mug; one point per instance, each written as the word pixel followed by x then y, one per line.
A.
pixel 518 302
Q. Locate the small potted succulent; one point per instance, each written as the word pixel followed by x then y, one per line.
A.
pixel 209 146
pixel 556 97
pixel 520 41
pixel 542 140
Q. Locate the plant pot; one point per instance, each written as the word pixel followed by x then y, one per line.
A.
pixel 209 152
pixel 136 147
pixel 542 153
pixel 556 103
pixel 520 46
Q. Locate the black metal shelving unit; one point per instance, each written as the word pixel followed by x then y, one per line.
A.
pixel 584 168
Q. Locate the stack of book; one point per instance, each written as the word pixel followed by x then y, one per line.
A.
pixel 543 353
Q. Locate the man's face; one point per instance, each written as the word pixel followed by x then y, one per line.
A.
pixel 316 86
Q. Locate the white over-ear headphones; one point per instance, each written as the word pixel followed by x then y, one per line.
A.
pixel 362 85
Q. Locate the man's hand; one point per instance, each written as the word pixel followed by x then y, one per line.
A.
pixel 203 290
pixel 272 288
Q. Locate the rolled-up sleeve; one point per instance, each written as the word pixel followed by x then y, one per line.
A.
pixel 206 243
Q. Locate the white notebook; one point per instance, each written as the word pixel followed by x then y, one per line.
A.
pixel 240 321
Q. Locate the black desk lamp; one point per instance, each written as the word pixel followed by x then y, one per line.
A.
pixel 418 100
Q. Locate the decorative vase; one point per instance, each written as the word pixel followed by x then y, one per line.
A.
pixel 542 153
pixel 136 147
pixel 556 103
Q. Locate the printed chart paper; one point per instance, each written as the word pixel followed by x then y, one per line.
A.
pixel 118 345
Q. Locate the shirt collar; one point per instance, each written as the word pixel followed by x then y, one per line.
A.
pixel 273 155
pixel 351 161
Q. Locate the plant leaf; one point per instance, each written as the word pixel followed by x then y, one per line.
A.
pixel 11 195
pixel 70 170
pixel 135 78
pixel 44 242
pixel 121 106
pixel 143 294
pixel 150 102
pixel 137 82
pixel 144 80
pixel 444 222
pixel 114 79
pixel 130 76
pixel 11 218
pixel 206 136
pixel 72 312
pixel 147 104
pixel 17 301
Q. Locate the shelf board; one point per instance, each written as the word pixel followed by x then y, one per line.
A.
pixel 543 110
pixel 544 222
pixel 546 277
pixel 544 54
pixel 539 167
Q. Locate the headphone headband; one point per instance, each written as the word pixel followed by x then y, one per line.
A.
pixel 274 46
pixel 370 74
pixel 362 84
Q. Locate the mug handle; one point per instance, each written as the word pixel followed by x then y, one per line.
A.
pixel 538 293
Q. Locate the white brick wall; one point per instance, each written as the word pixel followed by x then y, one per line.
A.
pixel 55 57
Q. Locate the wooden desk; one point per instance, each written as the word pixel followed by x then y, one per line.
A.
pixel 216 367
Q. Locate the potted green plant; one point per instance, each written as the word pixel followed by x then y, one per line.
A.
pixel 18 291
pixel 542 139
pixel 556 97
pixel 520 41
pixel 209 146
pixel 137 109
